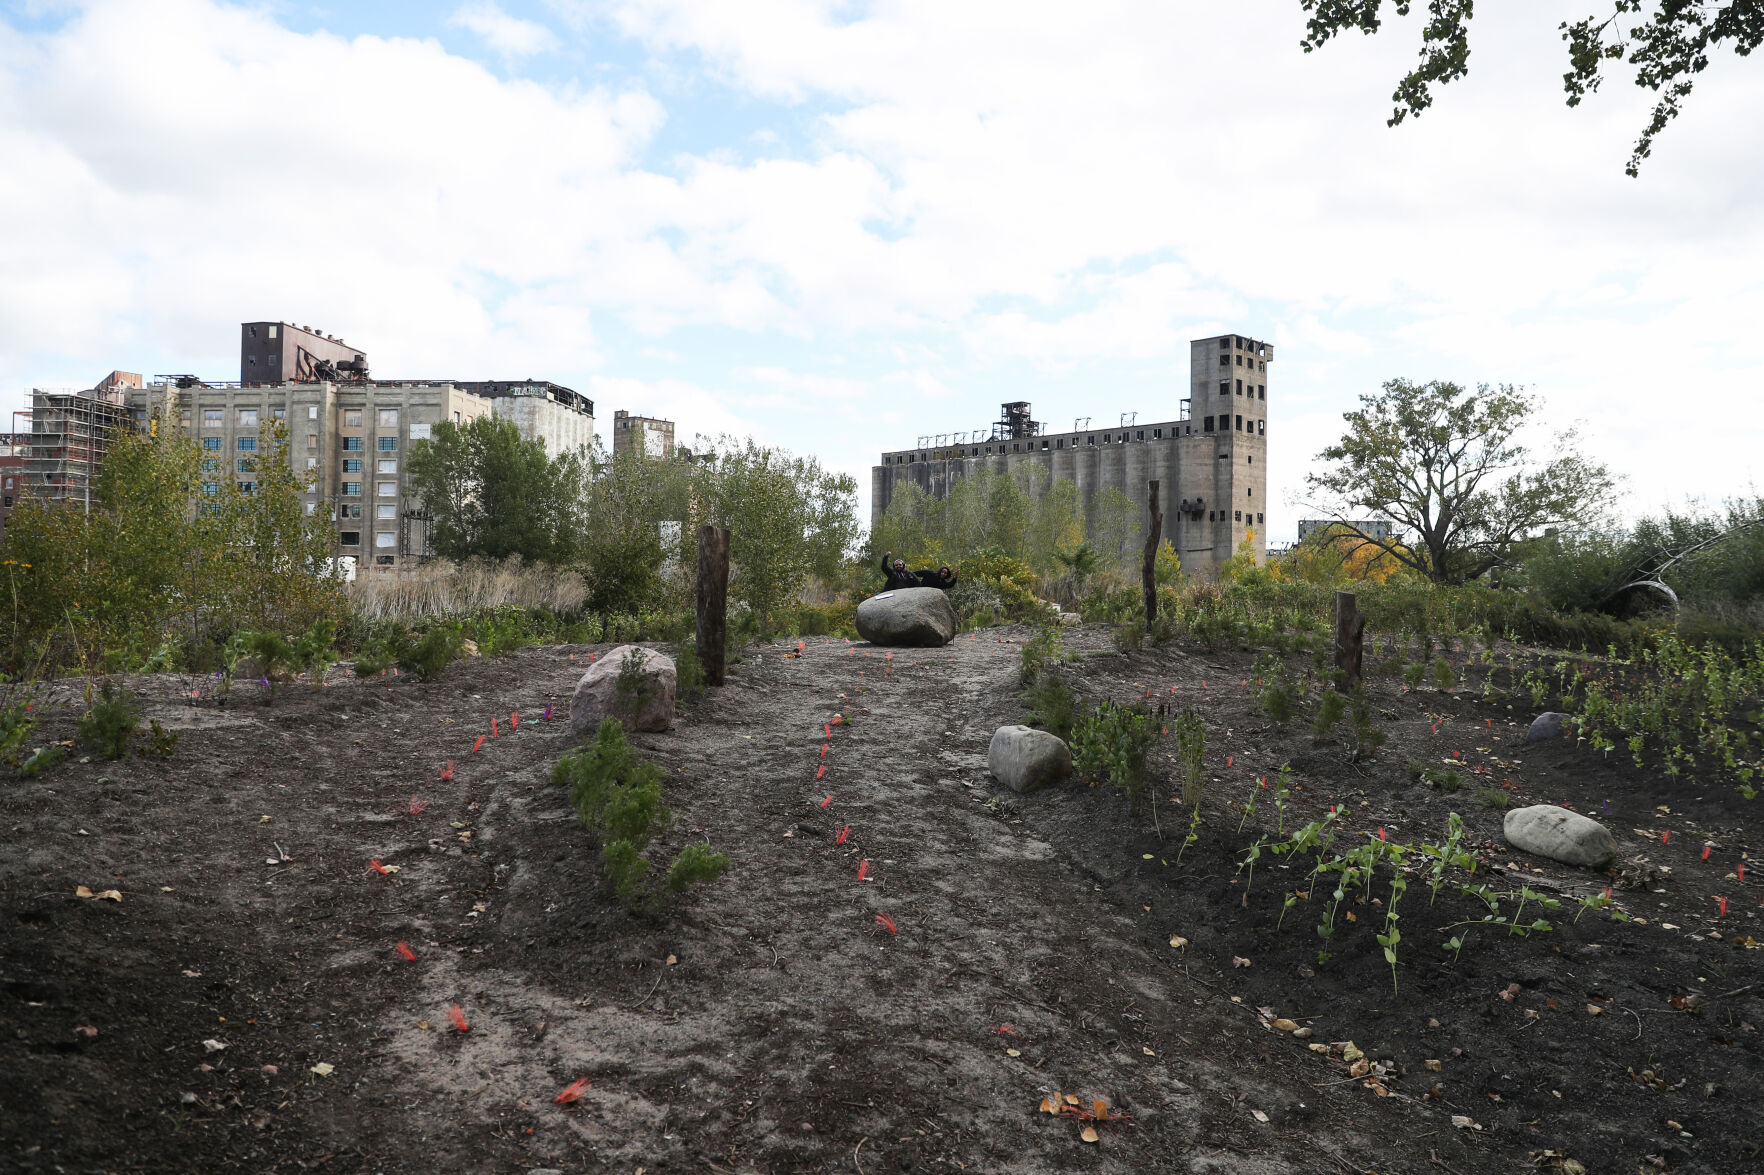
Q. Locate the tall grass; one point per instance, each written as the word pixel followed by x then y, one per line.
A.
pixel 443 588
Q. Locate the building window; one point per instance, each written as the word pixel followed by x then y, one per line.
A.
pixel 312 411
pixel 1239 514
pixel 6 502
pixel 1239 359
pixel 1210 517
pixel 352 489
pixel 1224 361
pixel 349 510
pixel 387 467
pixel 456 419
pixel 211 417
pixel 248 487
pixel 1224 387
pixel 352 465
pixel 247 444
pixel 247 418
pixel 384 560
pixel 1249 491
pixel 388 489
pixel 1240 387
pixel 211 488
pixel 272 359
pixel 1261 391
pixel 385 538
pixel 247 465
pixel 387 444
pixel 1239 423
pixel 251 361
pixel 352 444
pixel 272 331
pixel 210 465
pixel 388 418
pixel 184 418
pixel 1157 434
pixel 311 507
pixel 352 418
pixel 1258 519
pixel 211 444
pixel 312 462
pixel 385 511
pixel 1261 428
pixel 279 413
pixel 1140 435
pixel 312 440
pixel 1208 424
pixel 349 538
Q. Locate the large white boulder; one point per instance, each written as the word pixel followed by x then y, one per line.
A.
pixel 1560 835
pixel 917 617
pixel 1024 759
pixel 649 707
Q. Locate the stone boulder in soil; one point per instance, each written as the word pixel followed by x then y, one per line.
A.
pixel 597 697
pixel 1024 759
pixel 913 617
pixel 1548 725
pixel 1560 835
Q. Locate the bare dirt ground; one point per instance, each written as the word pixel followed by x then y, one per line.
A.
pixel 245 1006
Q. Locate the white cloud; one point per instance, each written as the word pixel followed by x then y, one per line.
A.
pixel 511 36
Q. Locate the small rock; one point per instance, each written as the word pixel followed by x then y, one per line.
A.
pixel 1024 759
pixel 1560 835
pixel 909 617
pixel 597 695
pixel 1548 725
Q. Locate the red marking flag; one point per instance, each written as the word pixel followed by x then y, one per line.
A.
pixel 479 745
pixel 863 870
pixel 843 833
pixel 458 1017
pixel 405 950
pixel 571 1092
pixel 887 923
pixel 828 800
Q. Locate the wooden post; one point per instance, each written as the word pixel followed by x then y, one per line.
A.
pixel 1149 570
pixel 713 602
pixel 1350 637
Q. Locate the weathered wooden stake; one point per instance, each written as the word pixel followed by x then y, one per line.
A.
pixel 713 601
pixel 1350 638
pixel 1149 570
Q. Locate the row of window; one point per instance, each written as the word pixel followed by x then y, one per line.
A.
pixel 1237 424
pixel 383 489
pixel 1252 364
pixel 384 539
pixel 352 417
pixel 1046 445
pixel 1255 391
pixel 1219 516
pixel 350 444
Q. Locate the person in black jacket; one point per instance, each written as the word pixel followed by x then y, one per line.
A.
pixel 897 574
pixel 944 577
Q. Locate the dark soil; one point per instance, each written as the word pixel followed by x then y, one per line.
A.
pixel 769 1022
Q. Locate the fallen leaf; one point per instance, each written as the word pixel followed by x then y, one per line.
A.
pixel 270 1069
pixel 1089 1134
pixel 1177 941
pixel 1147 1051
pixel 1286 1025
pixel 1258 1115
pixel 1049 1105
pixel 1351 1052
pixel 1013 1052
pixel 672 960
pixel 81 891
pixel 1318 1048
pixel 114 895
pixel 1360 1068
pixel 1594 1010
pixel 1239 961
pixel 1463 1122
pixel 324 1068
pixel 1071 1099
pixel 214 1046
pixel 1100 1110
pixel 87 1031
pixel 1301 1033
pixel 1433 1066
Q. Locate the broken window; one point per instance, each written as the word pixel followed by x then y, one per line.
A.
pixel 1239 359
pixel 1261 428
pixel 1239 424
pixel 1261 391
pixel 349 538
pixel 1258 519
pixel 1239 387
pixel 352 418
pixel 388 418
pixel 1209 424
pixel 247 418
pixel 1224 387
pixel 1239 517
pixel 1224 361
pixel 385 560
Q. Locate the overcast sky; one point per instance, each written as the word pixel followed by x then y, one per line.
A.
pixel 836 226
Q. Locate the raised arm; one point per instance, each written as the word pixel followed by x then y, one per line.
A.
pixel 885 555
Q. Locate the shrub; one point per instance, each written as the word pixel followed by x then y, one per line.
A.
pixel 1330 708
pixel 617 794
pixel 16 725
pixel 1052 704
pixel 1494 797
pixel 688 671
pixel 160 742
pixel 1191 750
pixel 111 722
pixel 1129 635
pixel 1112 743
pixel 1277 700
pixel 438 648
pixel 1366 737
pixel 1044 650
pixel 41 760
pixel 1443 677
pixel 315 649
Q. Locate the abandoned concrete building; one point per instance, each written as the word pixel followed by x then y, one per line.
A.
pixel 1209 459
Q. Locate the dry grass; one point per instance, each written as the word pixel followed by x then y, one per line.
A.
pixel 442 588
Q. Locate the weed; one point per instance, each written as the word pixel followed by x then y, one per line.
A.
pixel 41 760
pixel 1282 792
pixel 159 743
pixel 438 648
pixel 1330 708
pixel 1493 797
pixel 315 650
pixel 1443 778
pixel 1129 636
pixel 1366 737
pixel 1044 650
pixel 1414 674
pixel 688 671
pixel 16 725
pixel 634 687
pixel 111 722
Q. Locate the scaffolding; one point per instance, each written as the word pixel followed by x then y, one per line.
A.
pixel 70 432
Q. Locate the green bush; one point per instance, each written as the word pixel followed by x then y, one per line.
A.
pixel 41 760
pixel 1045 650
pixel 1330 709
pixel 16 724
pixel 111 722
pixel 1129 635
pixel 1112 742
pixel 428 657
pixel 688 671
pixel 617 794
pixel 1052 704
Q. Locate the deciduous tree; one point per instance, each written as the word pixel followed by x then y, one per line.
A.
pixel 1447 465
pixel 492 493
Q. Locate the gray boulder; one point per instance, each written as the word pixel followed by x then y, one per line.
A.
pixel 914 617
pixel 1548 725
pixel 1560 835
pixel 1023 758
pixel 597 695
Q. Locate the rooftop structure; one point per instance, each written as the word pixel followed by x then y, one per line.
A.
pixel 649 435
pixel 277 352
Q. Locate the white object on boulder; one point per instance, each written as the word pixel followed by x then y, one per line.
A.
pixel 1560 835
pixel 1024 759
pixel 597 694
pixel 915 617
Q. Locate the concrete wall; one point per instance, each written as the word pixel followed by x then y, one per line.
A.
pixel 539 417
pixel 1213 459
